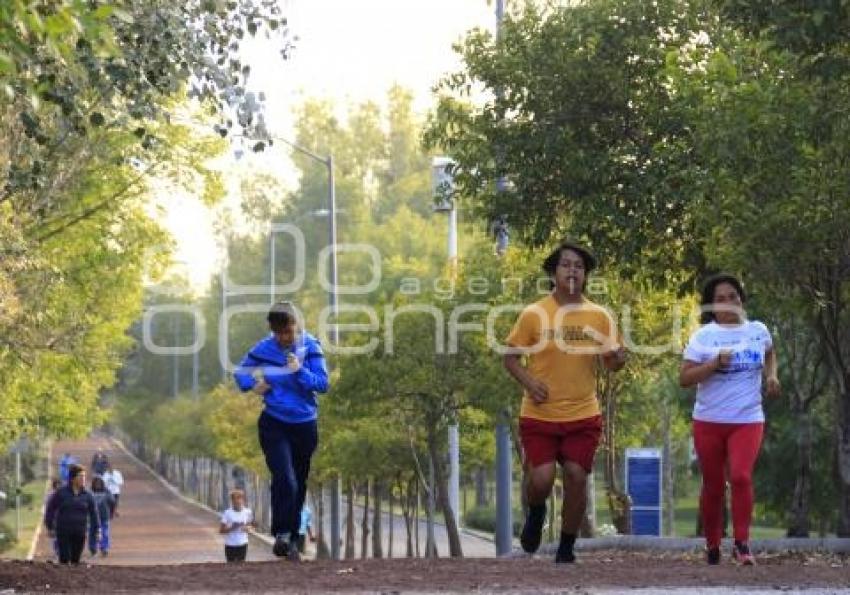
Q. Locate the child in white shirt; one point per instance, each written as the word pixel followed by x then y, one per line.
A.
pixel 234 522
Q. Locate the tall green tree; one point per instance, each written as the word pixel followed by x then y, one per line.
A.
pixel 579 120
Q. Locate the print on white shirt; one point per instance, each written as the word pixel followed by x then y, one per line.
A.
pixel 731 394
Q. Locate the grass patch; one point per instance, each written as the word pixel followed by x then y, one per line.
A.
pixel 30 518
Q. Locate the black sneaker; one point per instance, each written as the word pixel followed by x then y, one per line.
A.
pixel 293 555
pixel 712 556
pixel 565 556
pixel 532 531
pixel 281 546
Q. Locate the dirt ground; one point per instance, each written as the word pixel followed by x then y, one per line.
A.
pixel 594 570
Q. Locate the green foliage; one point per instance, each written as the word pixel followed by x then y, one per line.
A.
pixel 581 123
pixel 483 518
pixel 230 419
pixel 178 426
pixel 7 537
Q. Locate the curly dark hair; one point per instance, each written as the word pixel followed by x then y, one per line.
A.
pixel 551 262
pixel 707 297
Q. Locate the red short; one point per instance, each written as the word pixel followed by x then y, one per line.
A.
pixel 547 441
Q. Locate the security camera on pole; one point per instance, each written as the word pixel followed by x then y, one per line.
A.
pixel 442 178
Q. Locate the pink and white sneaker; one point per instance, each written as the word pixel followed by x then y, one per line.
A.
pixel 741 553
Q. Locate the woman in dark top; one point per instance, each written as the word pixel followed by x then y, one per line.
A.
pixel 68 513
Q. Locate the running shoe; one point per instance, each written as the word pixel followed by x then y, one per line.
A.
pixel 293 555
pixel 281 546
pixel 532 531
pixel 565 556
pixel 741 553
pixel 712 555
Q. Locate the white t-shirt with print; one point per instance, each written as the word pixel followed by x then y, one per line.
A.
pixel 114 480
pixel 230 516
pixel 731 394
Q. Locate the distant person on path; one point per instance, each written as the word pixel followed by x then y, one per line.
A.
pixel 102 499
pixel 66 461
pixel 234 522
pixel 288 369
pixel 114 483
pixel 69 512
pixel 562 337
pixel 501 235
pixel 306 528
pixel 99 462
pixel 726 360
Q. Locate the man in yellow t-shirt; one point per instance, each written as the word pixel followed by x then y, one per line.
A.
pixel 562 336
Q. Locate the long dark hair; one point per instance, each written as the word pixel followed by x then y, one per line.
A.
pixel 707 298
pixel 97 484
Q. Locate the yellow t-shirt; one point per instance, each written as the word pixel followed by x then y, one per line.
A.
pixel 562 344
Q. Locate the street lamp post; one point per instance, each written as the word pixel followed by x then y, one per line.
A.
pixel 504 522
pixel 444 188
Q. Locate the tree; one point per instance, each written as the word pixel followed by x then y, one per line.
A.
pixel 86 88
pixel 771 130
pixel 579 120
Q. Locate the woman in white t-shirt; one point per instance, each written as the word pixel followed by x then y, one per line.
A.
pixel 726 359
pixel 234 524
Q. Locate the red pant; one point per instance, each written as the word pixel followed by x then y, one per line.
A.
pixel 720 446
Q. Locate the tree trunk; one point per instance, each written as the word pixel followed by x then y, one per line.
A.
pixel 430 541
pixel 364 524
pixel 322 550
pixel 377 530
pixel 481 487
pixel 406 510
pixel 619 502
pixel 350 528
pixel 391 518
pixel 442 494
pixel 668 467
pixel 843 431
pixel 416 516
pixel 798 522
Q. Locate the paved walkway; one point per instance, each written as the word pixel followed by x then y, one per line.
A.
pixel 154 526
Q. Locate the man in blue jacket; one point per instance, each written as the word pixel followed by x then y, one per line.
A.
pixel 287 369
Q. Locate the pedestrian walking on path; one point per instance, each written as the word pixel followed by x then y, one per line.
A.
pixel 64 463
pixel 288 370
pixel 234 522
pixel 114 482
pixel 99 462
pixel 70 511
pixel 726 360
pixel 102 501
pixel 562 337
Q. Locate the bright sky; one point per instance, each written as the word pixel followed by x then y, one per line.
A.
pixel 348 51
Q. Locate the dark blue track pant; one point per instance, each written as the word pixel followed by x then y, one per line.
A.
pixel 288 449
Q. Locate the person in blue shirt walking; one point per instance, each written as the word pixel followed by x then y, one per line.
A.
pixel 64 464
pixel 288 370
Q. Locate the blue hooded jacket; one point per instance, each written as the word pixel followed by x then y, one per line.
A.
pixel 292 396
